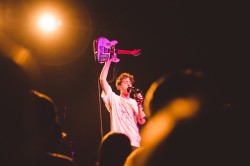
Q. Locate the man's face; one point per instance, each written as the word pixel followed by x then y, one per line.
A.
pixel 126 82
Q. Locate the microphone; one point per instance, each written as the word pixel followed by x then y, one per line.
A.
pixel 131 88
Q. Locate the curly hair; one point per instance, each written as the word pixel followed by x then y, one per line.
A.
pixel 122 76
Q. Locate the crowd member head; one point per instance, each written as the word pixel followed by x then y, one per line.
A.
pixel 14 85
pixel 180 106
pixel 29 123
pixel 184 84
pixel 47 131
pixel 114 149
pixel 45 113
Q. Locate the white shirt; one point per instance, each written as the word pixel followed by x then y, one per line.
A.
pixel 122 115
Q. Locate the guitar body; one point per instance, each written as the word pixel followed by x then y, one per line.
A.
pixel 105 50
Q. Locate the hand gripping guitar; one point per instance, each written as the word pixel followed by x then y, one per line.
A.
pixel 105 50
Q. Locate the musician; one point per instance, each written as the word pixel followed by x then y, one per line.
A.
pixel 125 112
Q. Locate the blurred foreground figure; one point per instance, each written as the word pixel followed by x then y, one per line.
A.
pixel 186 123
pixel 14 86
pixel 48 131
pixel 114 149
pixel 30 134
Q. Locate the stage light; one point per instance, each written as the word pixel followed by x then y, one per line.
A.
pixel 49 22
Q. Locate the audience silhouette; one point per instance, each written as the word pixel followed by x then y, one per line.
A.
pixel 114 149
pixel 184 128
pixel 30 130
pixel 48 130
pixel 14 85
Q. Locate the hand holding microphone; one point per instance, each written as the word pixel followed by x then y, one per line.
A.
pixel 137 94
pixel 138 98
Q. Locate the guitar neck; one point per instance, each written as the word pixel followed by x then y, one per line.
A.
pixel 124 51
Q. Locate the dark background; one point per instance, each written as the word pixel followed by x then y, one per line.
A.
pixel 171 34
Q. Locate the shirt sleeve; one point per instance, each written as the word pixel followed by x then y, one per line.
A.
pixel 107 98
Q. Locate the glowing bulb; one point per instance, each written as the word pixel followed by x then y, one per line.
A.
pixel 49 22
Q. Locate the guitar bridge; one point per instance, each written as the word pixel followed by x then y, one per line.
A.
pixel 103 58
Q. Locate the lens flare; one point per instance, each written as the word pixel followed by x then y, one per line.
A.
pixel 49 22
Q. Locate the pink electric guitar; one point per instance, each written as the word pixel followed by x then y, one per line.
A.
pixel 105 50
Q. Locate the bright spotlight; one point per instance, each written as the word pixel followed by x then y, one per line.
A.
pixel 49 22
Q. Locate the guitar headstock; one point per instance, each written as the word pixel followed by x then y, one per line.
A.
pixel 136 52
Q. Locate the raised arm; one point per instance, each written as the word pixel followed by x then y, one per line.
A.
pixel 104 75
